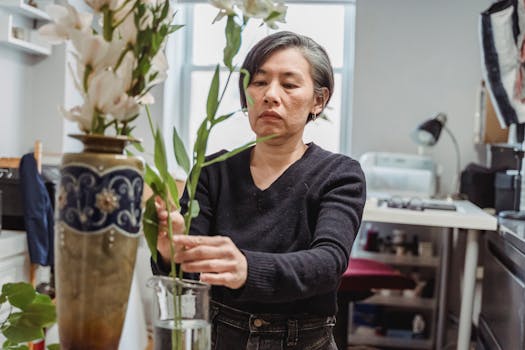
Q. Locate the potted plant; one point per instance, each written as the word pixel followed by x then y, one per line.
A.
pixel 119 54
pixel 118 49
pixel 29 314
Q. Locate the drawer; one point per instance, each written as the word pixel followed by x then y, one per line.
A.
pixel 503 309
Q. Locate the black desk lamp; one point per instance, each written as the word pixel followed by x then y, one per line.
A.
pixel 428 133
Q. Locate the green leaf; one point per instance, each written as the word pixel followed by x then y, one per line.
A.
pixel 38 315
pixel 180 152
pixel 151 226
pixel 233 41
pixel 160 155
pixel 172 187
pixel 273 15
pixel 199 148
pixel 213 96
pixel 9 345
pixel 195 208
pixel 175 27
pixel 18 334
pixel 53 347
pixel 19 294
pixel 153 180
pixel 236 150
pixel 222 118
pixel 43 299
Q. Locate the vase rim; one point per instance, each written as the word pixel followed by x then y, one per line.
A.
pixel 185 282
pixel 122 138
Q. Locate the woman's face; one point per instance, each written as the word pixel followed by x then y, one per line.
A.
pixel 282 91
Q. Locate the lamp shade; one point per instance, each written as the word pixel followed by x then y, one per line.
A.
pixel 428 132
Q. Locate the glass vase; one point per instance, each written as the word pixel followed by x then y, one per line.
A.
pixel 98 223
pixel 181 314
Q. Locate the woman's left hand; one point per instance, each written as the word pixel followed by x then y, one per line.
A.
pixel 216 258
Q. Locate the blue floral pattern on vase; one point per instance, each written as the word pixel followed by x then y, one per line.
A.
pixel 91 201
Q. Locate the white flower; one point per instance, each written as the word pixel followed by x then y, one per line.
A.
pixel 104 89
pixel 127 29
pixel 125 70
pixel 256 8
pixel 124 108
pixel 268 10
pixel 147 99
pixel 83 115
pixel 97 5
pixel 91 49
pixel 226 7
pixel 279 9
pixel 66 18
pixel 159 65
pixel 107 95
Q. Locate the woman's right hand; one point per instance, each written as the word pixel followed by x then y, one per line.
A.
pixel 177 224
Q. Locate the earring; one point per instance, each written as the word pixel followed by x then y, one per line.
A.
pixel 314 116
pixel 244 111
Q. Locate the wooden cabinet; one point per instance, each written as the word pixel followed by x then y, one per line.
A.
pixel 19 22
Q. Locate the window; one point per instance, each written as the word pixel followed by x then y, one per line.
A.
pixel 200 48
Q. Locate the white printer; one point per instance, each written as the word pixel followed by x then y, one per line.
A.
pixel 406 175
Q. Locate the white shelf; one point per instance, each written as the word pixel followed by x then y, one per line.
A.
pixel 400 301
pixel 19 6
pixel 33 45
pixel 399 260
pixel 375 340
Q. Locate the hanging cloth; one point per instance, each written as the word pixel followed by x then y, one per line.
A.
pixel 503 59
pixel 38 212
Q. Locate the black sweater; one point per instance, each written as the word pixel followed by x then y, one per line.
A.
pixel 296 235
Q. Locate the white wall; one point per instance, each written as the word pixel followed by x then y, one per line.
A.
pixel 13 98
pixel 415 58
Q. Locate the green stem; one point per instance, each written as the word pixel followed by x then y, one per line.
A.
pixel 148 113
pixel 87 73
pixel 107 23
pixel 176 293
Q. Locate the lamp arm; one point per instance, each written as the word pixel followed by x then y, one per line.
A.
pixel 458 160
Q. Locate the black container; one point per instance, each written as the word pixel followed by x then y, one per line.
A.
pixel 505 192
pixel 12 198
pixel 12 206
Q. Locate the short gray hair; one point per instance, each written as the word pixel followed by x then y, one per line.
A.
pixel 321 68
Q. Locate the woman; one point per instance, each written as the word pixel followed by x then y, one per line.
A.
pixel 277 221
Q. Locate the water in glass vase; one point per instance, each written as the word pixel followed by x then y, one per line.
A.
pixel 195 335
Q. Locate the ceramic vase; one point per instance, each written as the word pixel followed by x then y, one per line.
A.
pixel 98 222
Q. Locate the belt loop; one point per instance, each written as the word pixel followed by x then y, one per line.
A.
pixel 293 333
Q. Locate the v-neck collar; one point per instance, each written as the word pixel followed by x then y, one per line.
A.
pixel 282 178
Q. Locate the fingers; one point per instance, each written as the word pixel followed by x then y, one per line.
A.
pixel 227 279
pixel 217 258
pixel 193 241
pixel 210 265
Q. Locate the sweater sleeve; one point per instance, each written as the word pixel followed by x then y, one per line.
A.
pixel 275 278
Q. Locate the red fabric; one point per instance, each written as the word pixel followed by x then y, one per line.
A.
pixel 365 274
pixel 39 345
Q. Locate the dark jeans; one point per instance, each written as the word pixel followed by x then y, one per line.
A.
pixel 233 329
